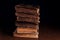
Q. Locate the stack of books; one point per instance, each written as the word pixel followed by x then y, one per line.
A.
pixel 27 21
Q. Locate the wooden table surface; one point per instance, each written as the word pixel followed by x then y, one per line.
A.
pixel 45 34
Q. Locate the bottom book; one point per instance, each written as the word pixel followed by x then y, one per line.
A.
pixel 26 35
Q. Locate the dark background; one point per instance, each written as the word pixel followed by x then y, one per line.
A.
pixel 7 15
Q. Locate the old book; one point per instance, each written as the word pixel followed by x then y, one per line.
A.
pixel 27 25
pixel 33 20
pixel 26 15
pixel 25 10
pixel 26 30
pixel 26 35
pixel 27 6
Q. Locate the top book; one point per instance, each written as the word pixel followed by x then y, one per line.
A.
pixel 27 9
pixel 27 6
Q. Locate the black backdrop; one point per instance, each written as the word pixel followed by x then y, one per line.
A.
pixel 7 13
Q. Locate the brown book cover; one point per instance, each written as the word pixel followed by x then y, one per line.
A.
pixel 26 19
pixel 27 6
pixel 26 35
pixel 26 30
pixel 25 10
pixel 27 25
pixel 26 15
